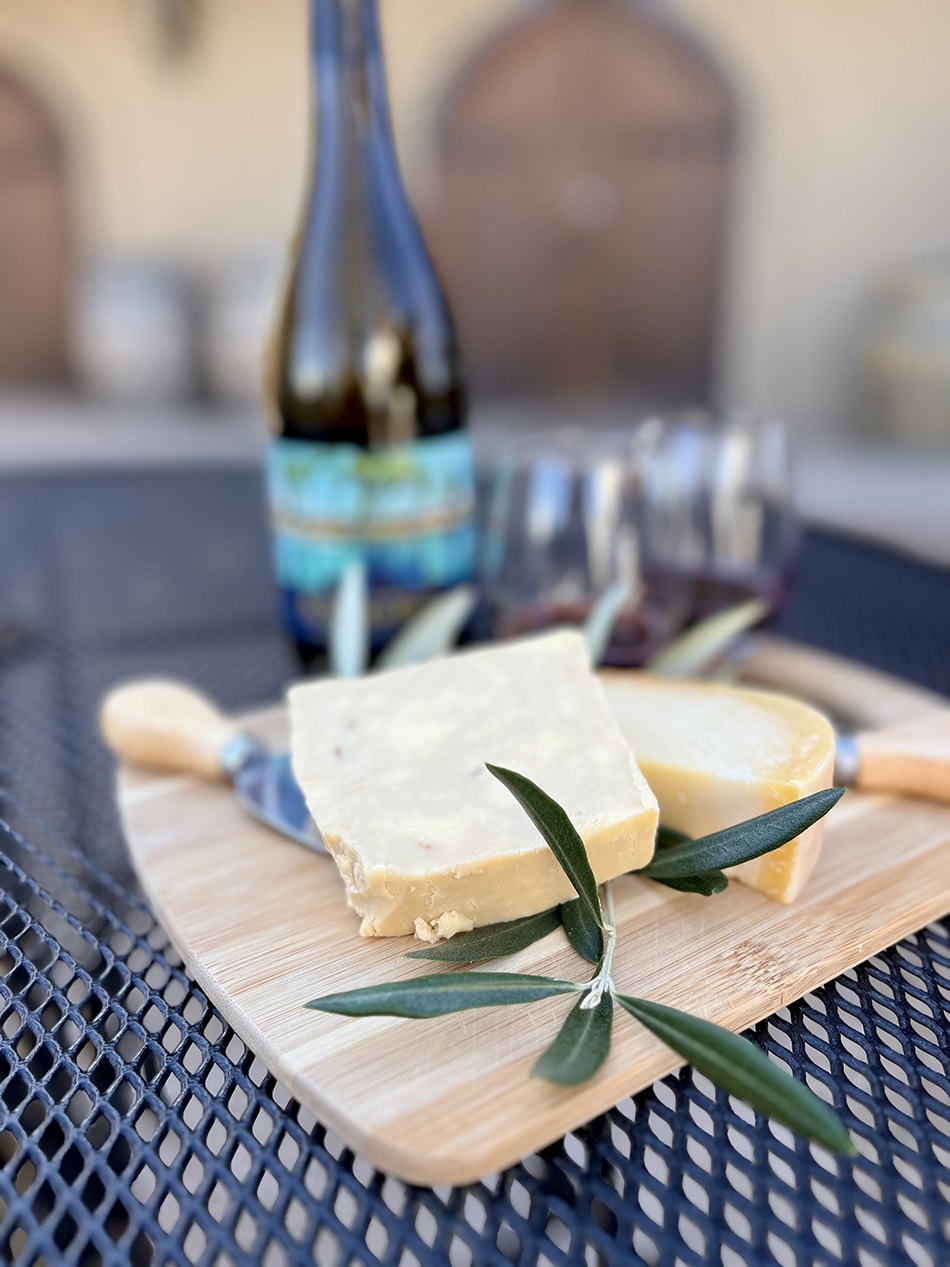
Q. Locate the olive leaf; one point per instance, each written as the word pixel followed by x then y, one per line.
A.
pixel 599 625
pixel 492 941
pixel 559 833
pixel 584 934
pixel 707 641
pixel 348 635
pixel 666 836
pixel 743 1070
pixel 705 883
pixel 581 1046
pixel 434 631
pixel 438 995
pixel 746 840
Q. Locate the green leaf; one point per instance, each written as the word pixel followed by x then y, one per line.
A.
pixel 666 836
pixel 599 625
pixel 706 883
pixel 583 933
pixel 746 840
pixel 434 631
pixel 581 1046
pixel 559 833
pixel 743 1070
pixel 707 641
pixel 439 995
pixel 349 624
pixel 492 941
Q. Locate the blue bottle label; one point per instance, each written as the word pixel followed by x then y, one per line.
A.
pixel 406 511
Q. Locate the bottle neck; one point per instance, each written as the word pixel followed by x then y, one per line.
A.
pixel 347 64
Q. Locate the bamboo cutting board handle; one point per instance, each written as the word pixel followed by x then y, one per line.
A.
pixel 912 758
pixel 166 725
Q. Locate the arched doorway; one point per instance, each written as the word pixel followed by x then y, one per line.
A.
pixel 35 255
pixel 583 173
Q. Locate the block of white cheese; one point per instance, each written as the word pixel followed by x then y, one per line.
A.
pixel 393 769
pixel 716 755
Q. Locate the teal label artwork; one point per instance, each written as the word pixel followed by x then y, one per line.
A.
pixel 407 511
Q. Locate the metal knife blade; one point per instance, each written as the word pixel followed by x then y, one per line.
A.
pixel 264 784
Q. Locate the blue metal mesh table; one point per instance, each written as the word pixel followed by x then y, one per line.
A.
pixel 136 1127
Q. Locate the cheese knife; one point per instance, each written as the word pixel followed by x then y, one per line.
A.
pixel 894 739
pixel 167 725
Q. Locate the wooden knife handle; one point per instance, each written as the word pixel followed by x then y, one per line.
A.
pixel 912 758
pixel 168 725
pixel 854 694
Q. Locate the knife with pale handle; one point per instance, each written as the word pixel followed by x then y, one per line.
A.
pixel 902 746
pixel 167 725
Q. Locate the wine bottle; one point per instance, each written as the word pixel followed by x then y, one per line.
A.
pixel 371 460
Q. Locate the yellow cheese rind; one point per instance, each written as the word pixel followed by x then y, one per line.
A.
pixel 393 767
pixel 716 755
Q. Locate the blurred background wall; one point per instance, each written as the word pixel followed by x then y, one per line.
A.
pixel 152 158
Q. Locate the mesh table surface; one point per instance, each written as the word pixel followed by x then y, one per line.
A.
pixel 137 1128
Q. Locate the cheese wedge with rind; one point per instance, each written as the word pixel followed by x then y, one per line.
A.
pixel 393 768
pixel 716 755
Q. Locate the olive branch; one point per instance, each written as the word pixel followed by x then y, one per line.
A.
pixel 583 1041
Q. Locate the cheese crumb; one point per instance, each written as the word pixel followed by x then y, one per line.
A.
pixel 444 926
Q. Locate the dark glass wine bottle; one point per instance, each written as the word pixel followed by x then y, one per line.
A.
pixel 371 460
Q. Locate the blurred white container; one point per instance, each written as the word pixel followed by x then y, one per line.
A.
pixel 133 332
pixel 908 357
pixel 238 317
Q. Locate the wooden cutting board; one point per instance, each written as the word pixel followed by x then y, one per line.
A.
pixel 262 927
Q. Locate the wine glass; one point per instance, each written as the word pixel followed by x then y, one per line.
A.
pixel 565 522
pixel 721 509
pixel 689 514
